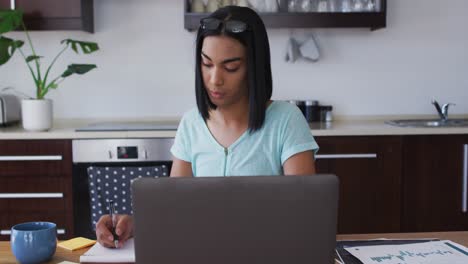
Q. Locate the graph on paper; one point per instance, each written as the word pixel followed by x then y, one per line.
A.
pixel 420 253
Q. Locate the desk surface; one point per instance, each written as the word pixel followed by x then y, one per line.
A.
pixel 6 256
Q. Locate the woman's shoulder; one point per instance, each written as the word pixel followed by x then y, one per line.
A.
pixel 191 117
pixel 284 109
pixel 283 114
pixel 191 113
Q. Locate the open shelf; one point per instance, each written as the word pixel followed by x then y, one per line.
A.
pixel 372 20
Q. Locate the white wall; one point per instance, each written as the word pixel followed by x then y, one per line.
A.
pixel 145 65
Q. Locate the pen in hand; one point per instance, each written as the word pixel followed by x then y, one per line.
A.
pixel 114 223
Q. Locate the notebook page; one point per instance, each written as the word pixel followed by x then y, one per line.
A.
pixel 421 253
pixel 99 253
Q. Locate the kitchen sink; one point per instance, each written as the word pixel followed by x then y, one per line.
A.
pixel 429 123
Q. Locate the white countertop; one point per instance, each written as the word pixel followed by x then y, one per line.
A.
pixel 65 129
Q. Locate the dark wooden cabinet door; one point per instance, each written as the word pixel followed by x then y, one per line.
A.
pixel 433 182
pixel 369 169
pixel 36 184
pixel 50 8
pixel 55 14
pixel 5 4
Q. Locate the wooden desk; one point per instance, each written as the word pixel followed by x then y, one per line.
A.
pixel 6 256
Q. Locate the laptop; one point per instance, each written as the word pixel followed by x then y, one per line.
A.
pixel 256 219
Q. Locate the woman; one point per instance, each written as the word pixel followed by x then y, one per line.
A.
pixel 236 129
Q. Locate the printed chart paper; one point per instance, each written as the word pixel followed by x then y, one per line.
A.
pixel 433 252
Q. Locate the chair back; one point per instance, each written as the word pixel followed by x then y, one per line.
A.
pixel 113 183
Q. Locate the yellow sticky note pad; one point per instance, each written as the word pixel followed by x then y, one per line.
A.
pixel 76 243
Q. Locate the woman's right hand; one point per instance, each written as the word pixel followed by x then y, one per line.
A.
pixel 123 228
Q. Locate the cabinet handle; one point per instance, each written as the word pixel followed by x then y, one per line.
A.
pixel 8 232
pixel 12 4
pixel 29 158
pixel 465 179
pixel 347 156
pixel 30 195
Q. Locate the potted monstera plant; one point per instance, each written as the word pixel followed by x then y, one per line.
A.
pixel 37 111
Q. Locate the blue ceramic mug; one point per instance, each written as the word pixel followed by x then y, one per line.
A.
pixel 34 242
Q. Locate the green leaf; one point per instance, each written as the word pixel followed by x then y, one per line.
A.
pixel 78 69
pixel 86 47
pixel 10 20
pixel 32 57
pixel 7 48
pixel 53 85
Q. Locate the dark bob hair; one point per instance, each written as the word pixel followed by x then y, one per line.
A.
pixel 255 39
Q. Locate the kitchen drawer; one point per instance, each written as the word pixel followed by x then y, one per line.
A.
pixel 33 183
pixel 35 157
pixel 349 145
pixel 30 205
pixel 6 223
pixel 35 147
pixel 37 168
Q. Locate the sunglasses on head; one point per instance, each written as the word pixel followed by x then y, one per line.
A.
pixel 233 26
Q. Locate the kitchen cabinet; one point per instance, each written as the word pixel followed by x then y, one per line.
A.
pixel 283 19
pixel 402 183
pixel 36 184
pixel 435 183
pixel 369 170
pixel 54 14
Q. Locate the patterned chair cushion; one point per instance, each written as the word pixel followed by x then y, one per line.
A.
pixel 113 183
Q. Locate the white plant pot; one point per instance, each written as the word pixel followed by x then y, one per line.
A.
pixel 36 114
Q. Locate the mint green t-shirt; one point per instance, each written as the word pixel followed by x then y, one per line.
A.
pixel 284 133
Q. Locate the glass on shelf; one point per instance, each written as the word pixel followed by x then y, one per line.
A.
pixel 378 5
pixel 242 3
pixel 212 5
pixel 271 6
pixel 306 6
pixel 345 6
pixel 265 6
pixel 197 6
pixel 282 5
pixel 302 6
pixel 293 5
pixel 369 6
pixel 357 5
pixel 316 5
pixel 326 6
pixel 333 5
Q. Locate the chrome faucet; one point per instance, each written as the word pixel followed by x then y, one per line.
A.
pixel 442 111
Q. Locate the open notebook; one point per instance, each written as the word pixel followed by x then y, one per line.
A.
pixel 100 254
pixel 401 252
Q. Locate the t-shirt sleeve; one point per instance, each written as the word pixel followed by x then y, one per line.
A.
pixel 297 136
pixel 181 147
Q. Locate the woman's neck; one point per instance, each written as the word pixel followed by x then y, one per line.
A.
pixel 233 115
